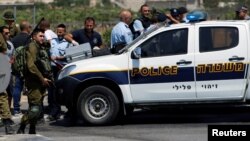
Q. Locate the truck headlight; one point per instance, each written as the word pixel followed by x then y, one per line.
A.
pixel 65 72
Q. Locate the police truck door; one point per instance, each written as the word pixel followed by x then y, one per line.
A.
pixel 165 71
pixel 220 58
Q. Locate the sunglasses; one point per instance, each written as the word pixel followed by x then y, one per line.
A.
pixel 41 35
pixel 6 33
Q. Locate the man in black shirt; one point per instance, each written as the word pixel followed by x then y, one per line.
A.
pixel 21 39
pixel 85 35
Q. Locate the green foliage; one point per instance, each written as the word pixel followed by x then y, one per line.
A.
pixel 211 3
pixel 106 37
pixel 106 2
pixel 244 2
pixel 66 3
pixel 223 13
pixel 214 3
pixel 66 14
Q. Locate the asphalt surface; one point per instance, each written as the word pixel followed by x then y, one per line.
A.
pixel 173 124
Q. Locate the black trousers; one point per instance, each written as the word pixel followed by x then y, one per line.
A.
pixel 55 107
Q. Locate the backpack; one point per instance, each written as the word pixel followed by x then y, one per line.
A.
pixel 20 65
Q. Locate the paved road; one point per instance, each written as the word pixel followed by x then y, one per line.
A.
pixel 144 125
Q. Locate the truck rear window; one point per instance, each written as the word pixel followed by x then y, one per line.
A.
pixel 218 38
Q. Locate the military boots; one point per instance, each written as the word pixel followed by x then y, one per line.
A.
pixel 21 129
pixel 8 128
pixel 32 129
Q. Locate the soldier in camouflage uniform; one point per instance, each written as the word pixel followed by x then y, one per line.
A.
pixel 36 81
pixel 9 19
pixel 4 106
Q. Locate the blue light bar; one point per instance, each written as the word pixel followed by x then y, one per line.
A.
pixel 192 18
pixel 196 16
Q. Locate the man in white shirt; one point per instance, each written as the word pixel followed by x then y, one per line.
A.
pixel 121 34
pixel 48 33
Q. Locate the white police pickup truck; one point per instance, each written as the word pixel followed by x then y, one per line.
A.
pixel 189 63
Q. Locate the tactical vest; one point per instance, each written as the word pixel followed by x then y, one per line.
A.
pixel 145 23
pixel 43 62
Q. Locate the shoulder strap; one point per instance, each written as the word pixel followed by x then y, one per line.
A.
pixel 131 26
pixel 145 22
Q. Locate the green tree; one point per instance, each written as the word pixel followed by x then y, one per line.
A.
pixel 244 2
pixel 106 37
pixel 72 2
pixel 106 2
pixel 208 4
pixel 238 2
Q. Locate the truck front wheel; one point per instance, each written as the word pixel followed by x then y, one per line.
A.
pixel 98 105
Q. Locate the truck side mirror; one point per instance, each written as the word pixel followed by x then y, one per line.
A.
pixel 136 53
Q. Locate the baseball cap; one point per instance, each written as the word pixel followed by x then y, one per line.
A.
pixel 174 12
pixel 182 10
pixel 241 8
pixel 8 16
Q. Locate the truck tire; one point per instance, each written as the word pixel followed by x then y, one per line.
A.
pixel 98 105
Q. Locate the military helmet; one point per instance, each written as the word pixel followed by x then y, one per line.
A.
pixel 8 16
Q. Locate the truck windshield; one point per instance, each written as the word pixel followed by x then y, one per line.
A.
pixel 143 35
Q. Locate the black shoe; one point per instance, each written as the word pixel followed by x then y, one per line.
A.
pixel 32 129
pixel 67 115
pixel 53 118
pixel 70 121
pixel 9 130
pixel 21 129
